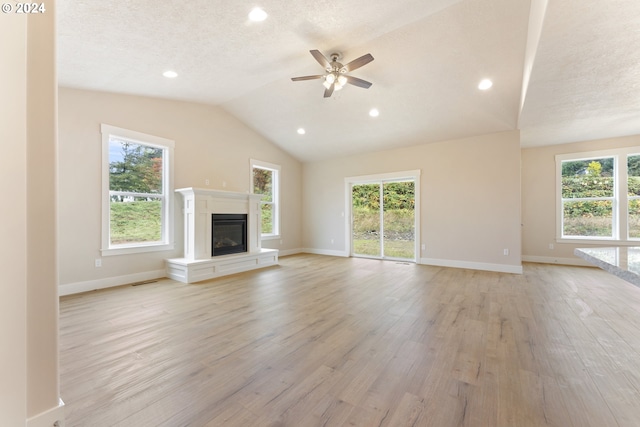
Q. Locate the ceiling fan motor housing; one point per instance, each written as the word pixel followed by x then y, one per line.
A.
pixel 335 66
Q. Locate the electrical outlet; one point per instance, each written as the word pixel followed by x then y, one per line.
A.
pixel 98 262
pixel 506 252
pixel 424 247
pixel 332 241
pixel 550 245
pixel 206 181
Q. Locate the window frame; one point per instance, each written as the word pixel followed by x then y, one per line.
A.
pixel 167 145
pixel 620 199
pixel 275 196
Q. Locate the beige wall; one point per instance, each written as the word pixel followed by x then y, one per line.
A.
pixel 13 223
pixel 539 199
pixel 470 199
pixel 28 295
pixel 209 144
pixel 42 266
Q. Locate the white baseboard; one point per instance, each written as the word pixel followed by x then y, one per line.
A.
pixel 49 417
pixel 555 260
pixel 500 268
pixel 325 252
pixel 92 285
pixel 287 252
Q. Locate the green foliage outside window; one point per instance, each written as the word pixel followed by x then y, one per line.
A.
pixel 267 219
pixel 397 195
pixel 580 167
pixel 138 169
pixel 263 183
pixel 263 180
pixel 398 215
pixel 588 193
pixel 588 179
pixel 136 222
pixel 135 168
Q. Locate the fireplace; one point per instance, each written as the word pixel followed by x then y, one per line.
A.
pixel 202 208
pixel 228 234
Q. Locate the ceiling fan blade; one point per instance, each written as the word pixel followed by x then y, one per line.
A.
pixel 358 82
pixel 322 60
pixel 359 62
pixel 297 79
pixel 329 90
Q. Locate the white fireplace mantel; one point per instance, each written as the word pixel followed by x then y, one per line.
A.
pixel 199 204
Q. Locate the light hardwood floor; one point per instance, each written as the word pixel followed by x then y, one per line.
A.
pixel 324 341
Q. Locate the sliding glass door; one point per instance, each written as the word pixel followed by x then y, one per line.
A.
pixel 383 219
pixel 366 236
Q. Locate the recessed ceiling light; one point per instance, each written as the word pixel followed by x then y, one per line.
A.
pixel 257 15
pixel 485 84
pixel 301 131
pixel 170 74
pixel 374 112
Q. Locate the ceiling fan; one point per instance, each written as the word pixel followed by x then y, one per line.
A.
pixel 336 77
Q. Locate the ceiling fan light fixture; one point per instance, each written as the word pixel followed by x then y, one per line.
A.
pixel 338 81
pixel 374 112
pixel 332 79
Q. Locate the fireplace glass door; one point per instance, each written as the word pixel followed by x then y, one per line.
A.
pixel 228 234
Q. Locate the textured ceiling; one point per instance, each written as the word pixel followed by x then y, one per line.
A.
pixel 585 81
pixel 429 57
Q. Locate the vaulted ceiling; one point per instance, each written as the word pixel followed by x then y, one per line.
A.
pixel 562 70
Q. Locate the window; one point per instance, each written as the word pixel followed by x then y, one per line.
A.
pixel 599 195
pixel 137 189
pixel 265 180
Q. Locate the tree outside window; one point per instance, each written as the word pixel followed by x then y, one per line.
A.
pixel 135 192
pixel 265 182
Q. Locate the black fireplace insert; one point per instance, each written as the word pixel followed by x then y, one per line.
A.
pixel 228 234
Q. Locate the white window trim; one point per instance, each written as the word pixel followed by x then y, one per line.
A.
pixel 168 237
pixel 276 195
pixel 620 200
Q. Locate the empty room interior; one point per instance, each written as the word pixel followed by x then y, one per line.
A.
pixel 363 213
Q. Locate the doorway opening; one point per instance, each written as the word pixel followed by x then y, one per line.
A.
pixel 384 216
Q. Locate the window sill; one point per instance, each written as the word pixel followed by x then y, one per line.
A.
pixel 269 237
pixel 126 250
pixel 604 241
